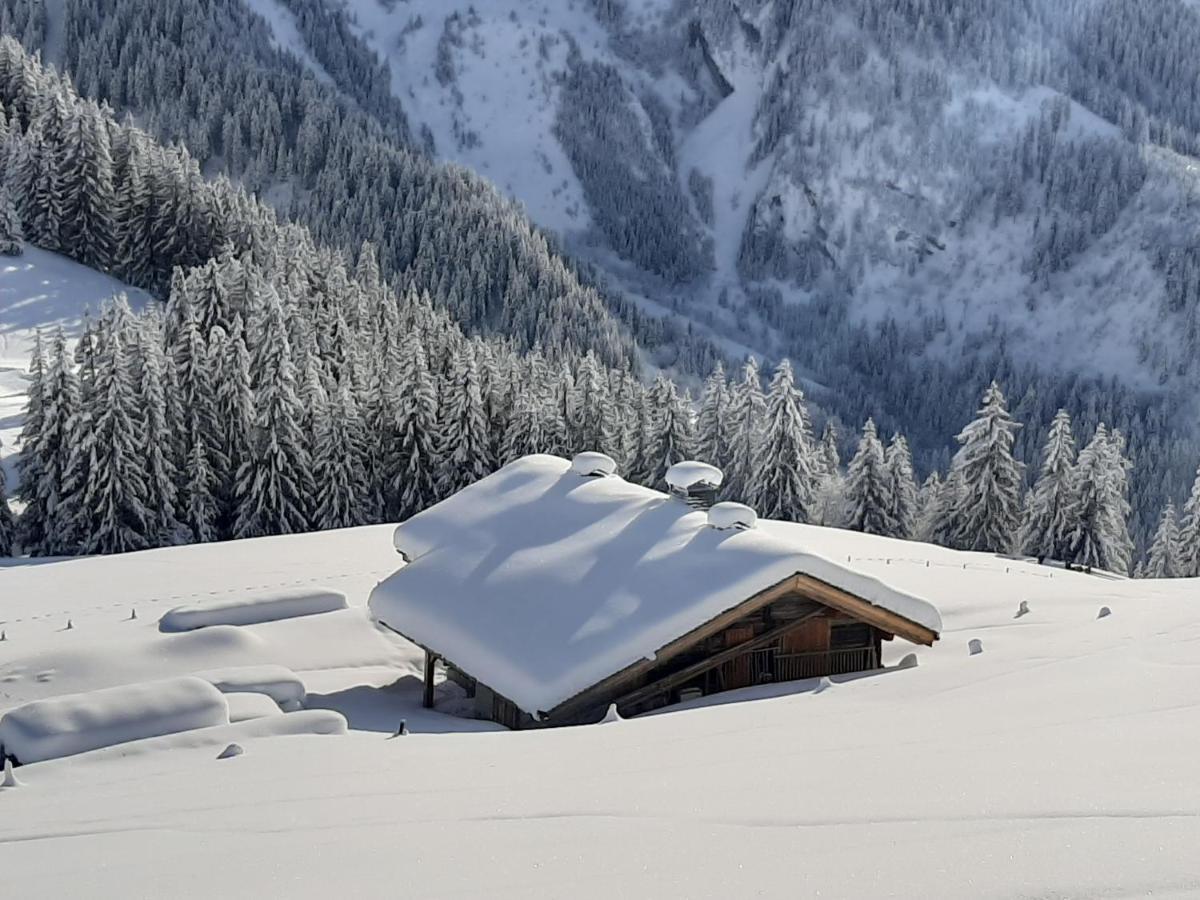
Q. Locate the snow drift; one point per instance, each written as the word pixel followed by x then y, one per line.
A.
pixel 277 682
pixel 284 604
pixel 77 723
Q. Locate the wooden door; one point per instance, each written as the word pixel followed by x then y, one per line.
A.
pixel 739 671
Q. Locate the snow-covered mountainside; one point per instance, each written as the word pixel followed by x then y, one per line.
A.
pixel 41 290
pixel 980 173
pixel 1057 762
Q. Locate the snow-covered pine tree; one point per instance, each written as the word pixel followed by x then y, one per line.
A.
pixel 113 517
pixel 1051 507
pixel 198 500
pixel 343 495
pixel 673 433
pixel 1120 465
pixel 8 531
pixel 1163 558
pixel 12 236
pixel 1097 539
pixel 642 466
pixel 1189 533
pixel 34 519
pixel 785 464
pixel 156 438
pixel 929 502
pixel 827 452
pixel 987 509
pixel 275 484
pixel 903 487
pixel 589 397
pixel 748 408
pixel 714 431
pixel 229 363
pixel 88 198
pixel 868 487
pixel 49 495
pixel 466 445
pixel 831 485
pixel 413 462
pixel 524 435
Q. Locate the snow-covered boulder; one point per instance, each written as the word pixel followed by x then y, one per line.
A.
pixel 279 683
pixel 727 516
pixel 590 463
pixel 283 604
pixel 77 723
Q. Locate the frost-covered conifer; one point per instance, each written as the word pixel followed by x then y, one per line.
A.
pixel 1163 559
pixel 112 509
pixel 12 235
pixel 30 468
pixel 785 465
pixel 524 435
pixel 1051 508
pixel 589 398
pixel 903 487
pixel 414 460
pixel 343 495
pixel 929 502
pixel 748 410
pixel 229 363
pixel 156 439
pixel 198 498
pixel 8 531
pixel 987 509
pixel 275 484
pixel 673 432
pixel 1100 533
pixel 465 449
pixel 714 426
pixel 85 177
pixel 869 487
pixel 48 495
pixel 1189 534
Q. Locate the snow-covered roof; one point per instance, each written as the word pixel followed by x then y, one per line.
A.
pixel 540 582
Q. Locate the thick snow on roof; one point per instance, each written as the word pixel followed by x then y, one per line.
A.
pixel 540 582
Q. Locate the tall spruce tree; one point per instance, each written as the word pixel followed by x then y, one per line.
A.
pixel 1052 505
pixel 8 531
pixel 343 494
pixel 12 235
pixel 1163 559
pixel 1189 533
pixel 785 465
pixel 1097 540
pixel 34 520
pixel 275 485
pixel 673 431
pixel 414 459
pixel 49 493
pixel 714 426
pixel 987 509
pixel 157 441
pixel 869 487
pixel 903 487
pixel 748 411
pixel 466 446
pixel 929 505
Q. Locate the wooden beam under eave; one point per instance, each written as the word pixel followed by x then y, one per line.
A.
pixel 883 619
pixel 430 666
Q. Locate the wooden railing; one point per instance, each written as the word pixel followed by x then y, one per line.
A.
pixel 766 665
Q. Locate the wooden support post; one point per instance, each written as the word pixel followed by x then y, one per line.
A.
pixel 430 664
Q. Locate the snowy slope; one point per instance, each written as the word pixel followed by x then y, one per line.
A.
pixel 1059 762
pixel 41 290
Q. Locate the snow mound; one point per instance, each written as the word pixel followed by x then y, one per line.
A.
pixel 277 682
pixel 589 463
pixel 77 723
pixel 283 604
pixel 245 707
pixel 687 474
pixel 727 516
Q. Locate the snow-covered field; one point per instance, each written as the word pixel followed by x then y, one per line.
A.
pixel 40 290
pixel 1058 762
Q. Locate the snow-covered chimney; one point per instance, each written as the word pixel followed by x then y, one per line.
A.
pixel 590 464
pixel 732 517
pixel 695 483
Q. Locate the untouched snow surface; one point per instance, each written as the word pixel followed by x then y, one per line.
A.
pixel 1059 762
pixel 540 582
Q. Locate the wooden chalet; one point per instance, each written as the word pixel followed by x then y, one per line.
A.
pixel 552 590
